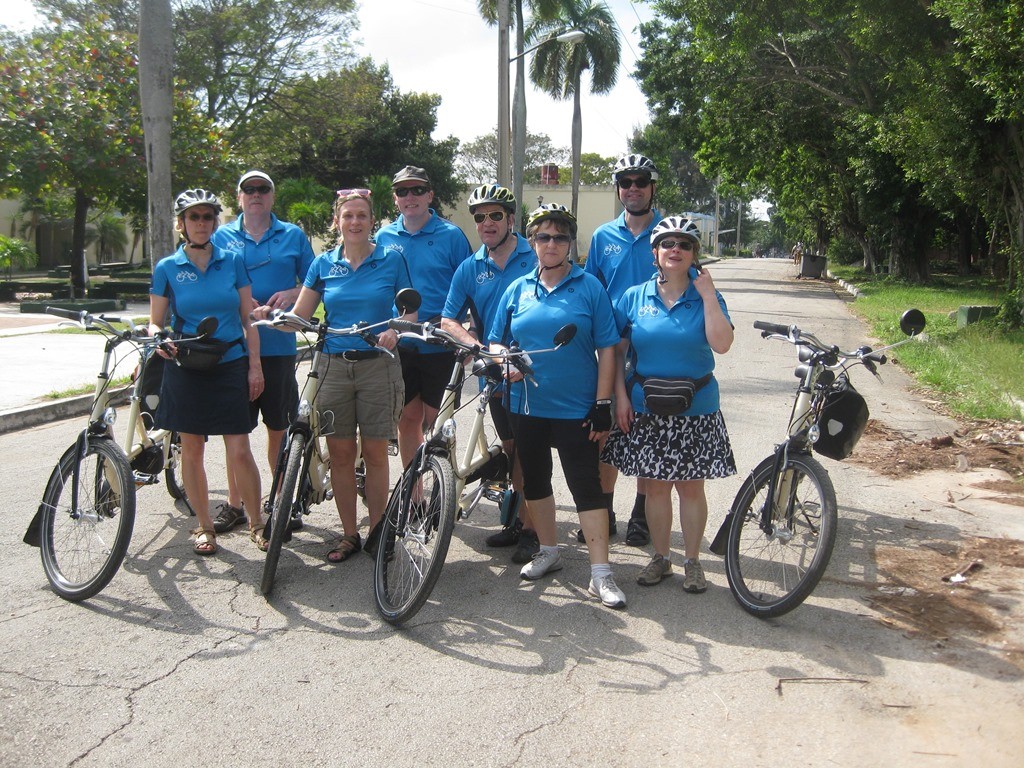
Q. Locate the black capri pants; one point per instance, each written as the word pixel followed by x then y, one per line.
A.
pixel 535 437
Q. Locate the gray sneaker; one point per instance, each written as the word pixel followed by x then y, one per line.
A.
pixel 604 587
pixel 693 580
pixel 543 562
pixel 656 570
pixel 228 517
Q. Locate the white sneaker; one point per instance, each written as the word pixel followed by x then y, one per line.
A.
pixel 543 562
pixel 604 587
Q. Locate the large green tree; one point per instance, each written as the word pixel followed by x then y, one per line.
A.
pixel 558 68
pixel 477 161
pixel 70 119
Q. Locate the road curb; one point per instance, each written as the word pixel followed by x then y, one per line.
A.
pixel 34 415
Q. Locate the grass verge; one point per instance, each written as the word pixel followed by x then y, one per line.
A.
pixel 978 370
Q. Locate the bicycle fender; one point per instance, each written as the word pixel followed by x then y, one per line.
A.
pixel 32 535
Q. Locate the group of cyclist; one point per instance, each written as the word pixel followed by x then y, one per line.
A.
pixel 642 307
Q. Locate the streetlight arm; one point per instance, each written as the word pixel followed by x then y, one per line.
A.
pixel 572 36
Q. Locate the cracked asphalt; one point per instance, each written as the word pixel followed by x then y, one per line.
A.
pixel 180 660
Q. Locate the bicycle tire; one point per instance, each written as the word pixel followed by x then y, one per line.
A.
pixel 82 549
pixel 281 509
pixel 414 540
pixel 172 472
pixel 770 574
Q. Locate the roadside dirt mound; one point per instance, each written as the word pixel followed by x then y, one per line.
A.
pixel 999 445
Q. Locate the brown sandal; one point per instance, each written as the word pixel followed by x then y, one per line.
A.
pixel 347 546
pixel 255 536
pixel 205 542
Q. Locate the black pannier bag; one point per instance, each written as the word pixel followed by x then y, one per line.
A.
pixel 841 423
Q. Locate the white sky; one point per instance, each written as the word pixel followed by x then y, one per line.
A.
pixel 444 47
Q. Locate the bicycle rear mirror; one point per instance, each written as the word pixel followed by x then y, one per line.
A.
pixel 565 334
pixel 408 300
pixel 207 326
pixel 912 322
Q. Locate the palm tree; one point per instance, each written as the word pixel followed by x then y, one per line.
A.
pixel 557 68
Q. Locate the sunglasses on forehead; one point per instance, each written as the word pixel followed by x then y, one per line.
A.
pixel 493 216
pixel 416 191
pixel 263 189
pixel 358 192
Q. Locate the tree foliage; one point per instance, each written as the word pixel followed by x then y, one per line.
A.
pixel 477 161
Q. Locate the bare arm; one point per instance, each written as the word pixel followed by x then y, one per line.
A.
pixel 717 328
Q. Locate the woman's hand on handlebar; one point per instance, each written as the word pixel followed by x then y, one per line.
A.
pixel 510 372
pixel 167 348
pixel 387 339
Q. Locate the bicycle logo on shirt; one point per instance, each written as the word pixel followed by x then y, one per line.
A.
pixel 483 277
pixel 612 248
pixel 338 270
pixel 184 275
pixel 648 311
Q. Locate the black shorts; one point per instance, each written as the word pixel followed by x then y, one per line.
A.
pixel 426 375
pixel 213 402
pixel 535 437
pixel 280 398
pixel 501 417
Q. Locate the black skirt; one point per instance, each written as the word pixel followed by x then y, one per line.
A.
pixel 212 402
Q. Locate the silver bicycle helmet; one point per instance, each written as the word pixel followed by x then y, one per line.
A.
pixel 634 164
pixel 190 198
pixel 675 225
pixel 555 212
pixel 492 194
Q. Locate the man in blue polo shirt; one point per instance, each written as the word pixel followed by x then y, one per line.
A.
pixel 478 285
pixel 277 255
pixel 433 248
pixel 620 257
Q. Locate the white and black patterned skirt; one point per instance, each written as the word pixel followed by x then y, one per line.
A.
pixel 672 448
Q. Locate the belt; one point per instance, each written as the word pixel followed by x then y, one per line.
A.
pixel 355 355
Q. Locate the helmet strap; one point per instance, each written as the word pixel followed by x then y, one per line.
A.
pixel 501 242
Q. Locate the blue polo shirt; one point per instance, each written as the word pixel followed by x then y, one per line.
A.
pixel 479 283
pixel 618 259
pixel 194 294
pixel 433 254
pixel 669 342
pixel 531 315
pixel 278 262
pixel 352 296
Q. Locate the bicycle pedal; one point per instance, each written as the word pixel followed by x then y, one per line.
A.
pixel 494 495
pixel 142 479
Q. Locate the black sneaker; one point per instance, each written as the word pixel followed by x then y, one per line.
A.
pixel 612 529
pixel 295 524
pixel 228 517
pixel 529 545
pixel 506 537
pixel 637 532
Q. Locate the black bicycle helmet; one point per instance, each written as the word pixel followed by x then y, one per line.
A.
pixel 675 225
pixel 634 164
pixel 555 212
pixel 190 198
pixel 492 194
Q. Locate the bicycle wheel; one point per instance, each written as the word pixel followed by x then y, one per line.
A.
pixel 772 569
pixel 172 470
pixel 83 545
pixel 281 506
pixel 416 531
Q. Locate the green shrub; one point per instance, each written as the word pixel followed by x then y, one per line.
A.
pixel 16 254
pixel 844 250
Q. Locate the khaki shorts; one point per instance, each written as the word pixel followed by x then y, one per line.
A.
pixel 369 394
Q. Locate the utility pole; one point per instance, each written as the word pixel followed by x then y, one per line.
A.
pixel 504 127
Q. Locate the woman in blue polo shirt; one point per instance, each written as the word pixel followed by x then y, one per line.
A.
pixel 361 386
pixel 673 324
pixel 197 281
pixel 569 409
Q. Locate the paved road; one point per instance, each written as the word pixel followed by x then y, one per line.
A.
pixel 181 659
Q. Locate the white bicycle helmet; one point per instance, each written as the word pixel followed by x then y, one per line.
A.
pixel 190 198
pixel 492 194
pixel 634 164
pixel 675 225
pixel 555 212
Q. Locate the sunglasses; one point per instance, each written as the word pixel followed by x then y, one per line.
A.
pixel 684 245
pixel 201 216
pixel 544 237
pixel 417 191
pixel 640 183
pixel 493 216
pixel 263 190
pixel 359 192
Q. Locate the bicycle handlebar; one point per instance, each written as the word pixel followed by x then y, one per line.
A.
pixel 427 332
pixel 864 355
pixel 279 319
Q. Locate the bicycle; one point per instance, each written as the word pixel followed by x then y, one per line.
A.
pixel 778 536
pixel 420 515
pixel 302 476
pixel 87 514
